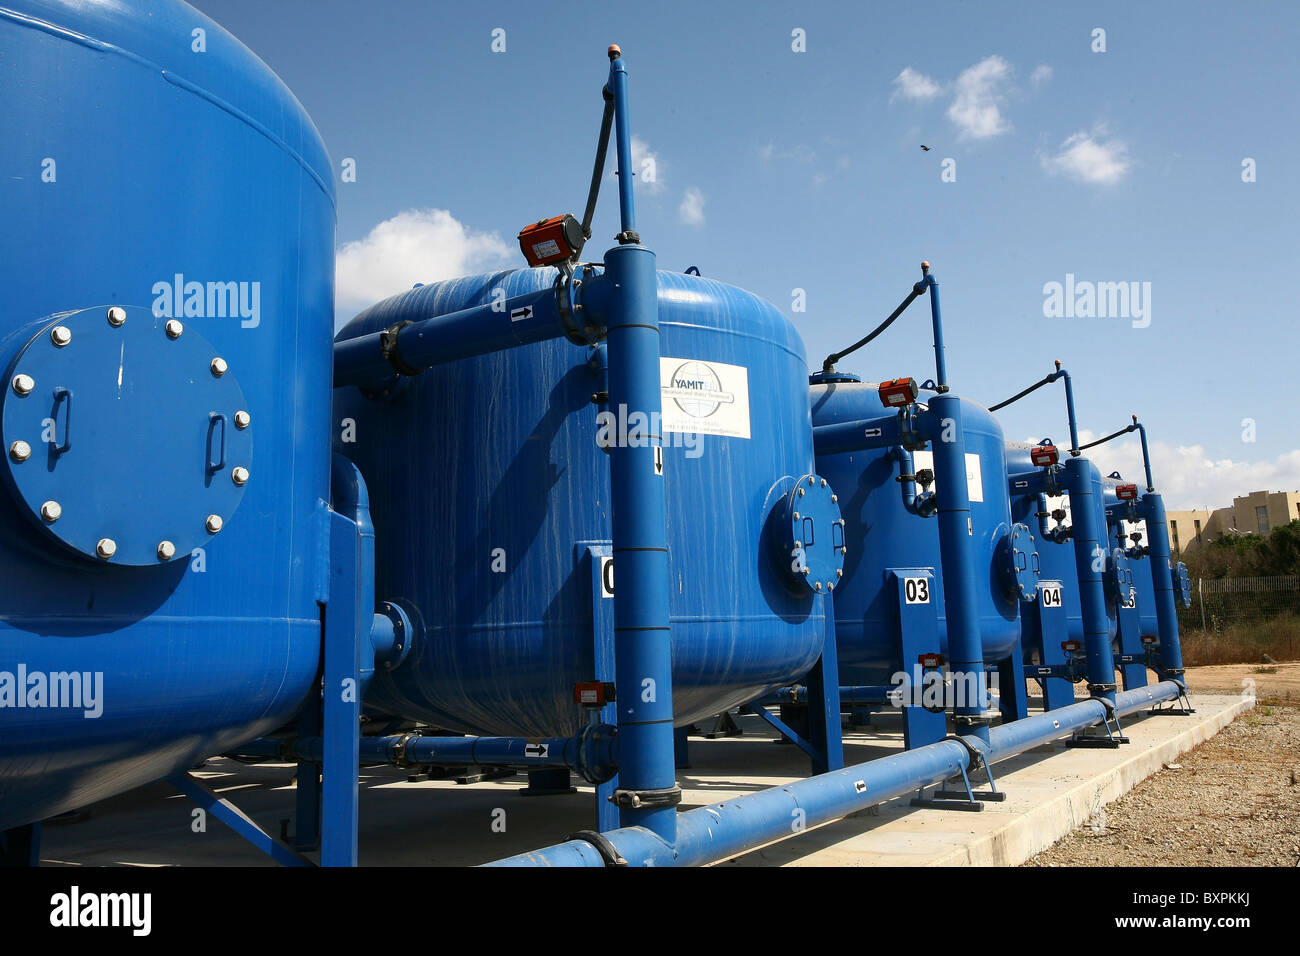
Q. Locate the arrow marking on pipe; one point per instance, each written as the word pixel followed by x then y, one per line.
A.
pixel 537 750
pixel 518 315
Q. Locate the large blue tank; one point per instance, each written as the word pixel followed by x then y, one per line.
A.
pixel 881 534
pixel 1057 557
pixel 488 486
pixel 160 524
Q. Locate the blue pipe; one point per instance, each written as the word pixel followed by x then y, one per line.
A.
pixel 648 793
pixel 522 320
pixel 724 830
pixel 1069 408
pixel 1152 509
pixel 942 425
pixel 882 432
pixel 1089 559
pixel 1146 454
pixel 940 364
pixel 592 754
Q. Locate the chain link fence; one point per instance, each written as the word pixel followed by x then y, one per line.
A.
pixel 1241 620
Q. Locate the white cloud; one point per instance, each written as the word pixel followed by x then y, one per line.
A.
pixel 913 85
pixel 645 164
pixel 691 211
pixel 1041 75
pixel 418 245
pixel 981 91
pixel 1188 477
pixel 1087 158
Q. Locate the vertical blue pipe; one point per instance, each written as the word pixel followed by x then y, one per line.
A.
pixel 642 645
pixel 940 365
pixel 1069 411
pixel 957 553
pixel 1089 557
pixel 1162 579
pixel 623 139
pixel 1146 456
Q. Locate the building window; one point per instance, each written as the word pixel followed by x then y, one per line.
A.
pixel 1173 527
pixel 1197 525
pixel 1261 518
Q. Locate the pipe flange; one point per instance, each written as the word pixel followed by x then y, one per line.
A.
pixel 647 799
pixel 976 754
pixel 608 852
pixel 388 348
pixel 399 749
pixel 629 237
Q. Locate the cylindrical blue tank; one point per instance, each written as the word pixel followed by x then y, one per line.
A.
pixel 155 170
pixel 881 534
pixel 1057 558
pixel 1139 562
pixel 488 487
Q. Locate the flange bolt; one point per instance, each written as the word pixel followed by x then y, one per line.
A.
pixel 239 474
pixel 51 511
pixel 166 550
pixel 174 328
pixel 106 548
pixel 23 384
pixel 116 315
pixel 218 366
pixel 60 335
pixel 242 419
pixel 20 450
pixel 213 524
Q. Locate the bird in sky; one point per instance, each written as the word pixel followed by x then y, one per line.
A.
pixel 924 147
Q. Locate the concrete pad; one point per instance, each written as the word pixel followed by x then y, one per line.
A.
pixel 1051 791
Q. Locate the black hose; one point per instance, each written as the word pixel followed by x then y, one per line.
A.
pixel 598 171
pixel 1019 395
pixel 1102 441
pixel 829 364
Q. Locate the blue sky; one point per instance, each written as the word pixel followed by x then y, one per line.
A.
pixel 778 170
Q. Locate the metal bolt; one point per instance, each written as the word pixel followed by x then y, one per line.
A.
pixel 806 572
pixel 60 335
pixel 798 545
pixel 51 511
pixel 20 450
pixel 174 328
pixel 218 366
pixel 830 585
pixel 23 384
pixel 823 482
pixel 166 550
pixel 817 586
pixel 800 492
pixel 213 524
pixel 812 480
pixel 239 475
pixel 835 497
pixel 242 419
pixel 839 572
pixel 796 516
pixel 106 548
pixel 116 316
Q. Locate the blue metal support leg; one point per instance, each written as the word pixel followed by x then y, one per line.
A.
pixel 824 731
pixel 918 623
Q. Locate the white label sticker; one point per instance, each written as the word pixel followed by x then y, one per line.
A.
pixel 704 398
pixel 537 750
pixel 916 590
pixel 518 315
pixel 974 472
pixel 544 250
pixel 659 460
pixel 606 577
pixel 1049 595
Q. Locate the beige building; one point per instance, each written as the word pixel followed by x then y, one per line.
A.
pixel 1256 513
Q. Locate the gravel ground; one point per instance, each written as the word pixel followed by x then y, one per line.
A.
pixel 1232 801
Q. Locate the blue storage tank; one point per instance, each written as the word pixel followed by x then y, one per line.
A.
pixel 488 486
pixel 881 534
pixel 160 525
pixel 1057 559
pixel 1139 562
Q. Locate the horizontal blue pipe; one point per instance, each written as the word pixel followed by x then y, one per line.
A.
pixel 430 341
pixel 723 830
pixel 882 432
pixel 593 756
